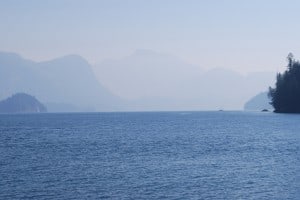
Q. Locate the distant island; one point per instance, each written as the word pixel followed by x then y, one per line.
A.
pixel 259 102
pixel 285 96
pixel 21 103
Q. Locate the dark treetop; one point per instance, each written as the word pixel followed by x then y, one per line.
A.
pixel 285 96
pixel 21 103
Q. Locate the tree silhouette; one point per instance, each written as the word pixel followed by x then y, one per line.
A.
pixel 285 96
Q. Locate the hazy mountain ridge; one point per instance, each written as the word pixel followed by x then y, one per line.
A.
pixel 142 76
pixel 66 80
pixel 146 76
pixel 147 80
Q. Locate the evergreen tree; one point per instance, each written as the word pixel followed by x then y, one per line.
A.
pixel 285 96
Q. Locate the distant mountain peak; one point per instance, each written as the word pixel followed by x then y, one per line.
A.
pixel 68 80
pixel 71 58
pixel 68 62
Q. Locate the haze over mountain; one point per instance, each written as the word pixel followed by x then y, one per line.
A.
pixel 164 82
pixel 64 84
pixel 209 36
pixel 145 80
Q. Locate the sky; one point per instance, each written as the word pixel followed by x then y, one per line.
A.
pixel 253 35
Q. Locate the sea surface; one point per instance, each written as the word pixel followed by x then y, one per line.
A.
pixel 154 155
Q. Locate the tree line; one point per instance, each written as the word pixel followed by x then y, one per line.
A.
pixel 285 96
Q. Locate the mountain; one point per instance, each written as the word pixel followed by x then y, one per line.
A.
pixel 145 73
pixel 21 103
pixel 65 82
pixel 143 81
pixel 259 102
pixel 155 81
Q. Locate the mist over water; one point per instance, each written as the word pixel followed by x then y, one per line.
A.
pixel 163 155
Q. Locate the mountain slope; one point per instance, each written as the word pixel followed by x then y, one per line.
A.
pixel 66 80
pixel 146 73
pixel 21 103
pixel 165 82
pixel 148 80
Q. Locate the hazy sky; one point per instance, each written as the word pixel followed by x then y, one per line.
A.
pixel 242 35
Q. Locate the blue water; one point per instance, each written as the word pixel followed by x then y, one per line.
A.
pixel 167 155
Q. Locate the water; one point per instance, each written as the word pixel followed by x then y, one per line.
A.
pixel 167 155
